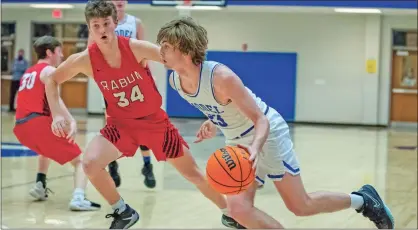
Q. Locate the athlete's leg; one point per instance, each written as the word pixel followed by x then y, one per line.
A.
pixel 302 203
pixel 100 152
pixel 147 169
pixel 79 202
pixel 241 207
pixel 39 190
pixel 188 168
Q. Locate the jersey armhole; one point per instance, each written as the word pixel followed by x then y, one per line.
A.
pixel 173 84
pixel 213 88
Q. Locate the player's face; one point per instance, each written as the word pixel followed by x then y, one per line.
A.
pixel 120 5
pixel 102 30
pixel 172 57
pixel 57 56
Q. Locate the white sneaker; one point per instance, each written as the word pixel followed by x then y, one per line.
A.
pixel 39 192
pixel 82 204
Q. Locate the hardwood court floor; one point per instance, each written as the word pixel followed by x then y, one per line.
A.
pixel 332 158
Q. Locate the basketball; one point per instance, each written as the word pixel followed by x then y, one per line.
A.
pixel 229 170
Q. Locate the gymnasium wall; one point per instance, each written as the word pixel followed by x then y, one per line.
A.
pixel 332 84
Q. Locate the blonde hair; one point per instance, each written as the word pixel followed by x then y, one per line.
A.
pixel 186 35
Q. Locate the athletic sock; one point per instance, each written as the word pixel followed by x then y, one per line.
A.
pixel 79 193
pixel 147 160
pixel 357 201
pixel 119 205
pixel 225 211
pixel 42 178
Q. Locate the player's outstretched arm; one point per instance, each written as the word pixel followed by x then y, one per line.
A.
pixel 67 70
pixel 229 86
pixel 145 50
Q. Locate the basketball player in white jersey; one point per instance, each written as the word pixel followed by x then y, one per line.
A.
pixel 248 122
pixel 131 26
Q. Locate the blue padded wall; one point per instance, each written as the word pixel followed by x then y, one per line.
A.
pixel 271 76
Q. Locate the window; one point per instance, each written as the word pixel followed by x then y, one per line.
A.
pixel 76 31
pixel 73 36
pixel 8 31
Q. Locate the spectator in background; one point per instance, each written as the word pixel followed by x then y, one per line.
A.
pixel 20 65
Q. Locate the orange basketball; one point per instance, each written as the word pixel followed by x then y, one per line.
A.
pixel 229 170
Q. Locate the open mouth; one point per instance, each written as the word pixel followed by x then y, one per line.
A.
pixel 104 37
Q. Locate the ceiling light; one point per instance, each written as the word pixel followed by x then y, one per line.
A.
pixel 357 10
pixel 52 6
pixel 198 7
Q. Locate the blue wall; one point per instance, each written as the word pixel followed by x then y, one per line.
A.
pixel 271 76
pixel 409 4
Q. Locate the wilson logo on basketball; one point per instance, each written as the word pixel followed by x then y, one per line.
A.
pixel 228 160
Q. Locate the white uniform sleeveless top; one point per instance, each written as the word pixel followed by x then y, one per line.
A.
pixel 127 27
pixel 228 118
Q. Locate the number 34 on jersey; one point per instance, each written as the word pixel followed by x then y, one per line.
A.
pixel 126 98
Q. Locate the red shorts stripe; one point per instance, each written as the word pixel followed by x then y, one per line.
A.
pixel 156 132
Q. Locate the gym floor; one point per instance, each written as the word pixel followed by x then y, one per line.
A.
pixel 333 158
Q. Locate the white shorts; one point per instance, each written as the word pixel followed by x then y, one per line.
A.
pixel 277 155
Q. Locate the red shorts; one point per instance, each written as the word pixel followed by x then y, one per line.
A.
pixel 154 131
pixel 36 134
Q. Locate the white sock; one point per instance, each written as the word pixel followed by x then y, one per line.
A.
pixel 356 201
pixel 225 211
pixel 79 193
pixel 119 205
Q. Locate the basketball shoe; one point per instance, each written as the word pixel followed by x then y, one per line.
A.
pixel 374 208
pixel 149 176
pixel 114 172
pixel 123 220
pixel 231 223
pixel 82 204
pixel 39 192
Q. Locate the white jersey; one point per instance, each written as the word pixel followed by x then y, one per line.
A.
pixel 227 117
pixel 127 27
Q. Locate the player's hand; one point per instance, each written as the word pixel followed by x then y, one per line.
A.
pixel 253 153
pixel 206 131
pixel 72 131
pixel 59 125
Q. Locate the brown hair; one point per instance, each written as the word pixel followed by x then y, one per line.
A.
pixel 100 9
pixel 45 43
pixel 186 35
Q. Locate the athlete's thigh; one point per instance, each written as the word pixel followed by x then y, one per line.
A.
pixel 120 136
pixel 100 151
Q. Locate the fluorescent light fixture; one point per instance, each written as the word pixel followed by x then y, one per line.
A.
pixel 358 10
pixel 52 6
pixel 198 7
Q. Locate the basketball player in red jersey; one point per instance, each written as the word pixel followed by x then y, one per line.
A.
pixel 133 105
pixel 33 125
pixel 131 27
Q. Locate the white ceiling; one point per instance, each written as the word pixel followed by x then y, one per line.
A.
pixel 281 9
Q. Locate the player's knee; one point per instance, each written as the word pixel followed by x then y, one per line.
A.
pixel 300 208
pixel 239 210
pixel 90 167
pixel 76 162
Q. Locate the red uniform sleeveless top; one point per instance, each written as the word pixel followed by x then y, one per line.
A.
pixel 31 97
pixel 129 91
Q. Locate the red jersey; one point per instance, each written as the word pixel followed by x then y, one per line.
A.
pixel 129 91
pixel 31 97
